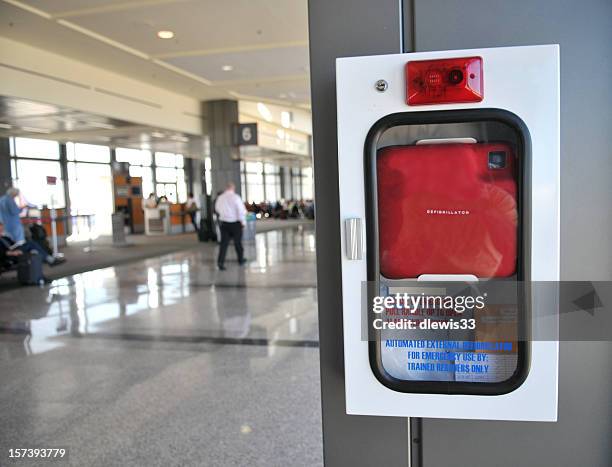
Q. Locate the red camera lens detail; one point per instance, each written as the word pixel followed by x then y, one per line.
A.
pixel 444 81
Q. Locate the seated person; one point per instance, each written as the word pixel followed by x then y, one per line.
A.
pixel 8 258
pixel 151 201
pixel 9 249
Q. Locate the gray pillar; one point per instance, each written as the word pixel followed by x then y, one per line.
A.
pixel 341 28
pixel 5 165
pixel 219 118
pixel 284 193
pixel 189 163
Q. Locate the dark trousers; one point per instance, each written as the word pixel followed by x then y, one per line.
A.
pixel 229 231
pixel 26 247
pixel 30 245
pixel 193 218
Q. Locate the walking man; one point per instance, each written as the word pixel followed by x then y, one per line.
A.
pixel 232 218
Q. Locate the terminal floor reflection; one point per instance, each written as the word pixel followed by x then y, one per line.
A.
pixel 168 361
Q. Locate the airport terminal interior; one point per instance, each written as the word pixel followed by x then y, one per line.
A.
pixel 121 122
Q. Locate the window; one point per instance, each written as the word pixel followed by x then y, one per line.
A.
pixel 30 176
pixel 140 166
pixel 307 181
pixel 166 159
pixel 170 177
pixel 91 192
pixel 243 186
pixel 296 183
pixel 36 148
pixel 32 161
pixel 146 173
pixel 272 182
pixel 165 174
pixel 181 186
pixel 133 156
pixel 87 153
pixel 254 181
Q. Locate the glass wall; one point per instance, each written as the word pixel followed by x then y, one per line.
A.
pixel 253 181
pixel 89 176
pixel 307 183
pixel 260 182
pixel 272 186
pixel 296 183
pixel 32 161
pixel 301 183
pixel 140 161
pixel 90 185
pixel 170 177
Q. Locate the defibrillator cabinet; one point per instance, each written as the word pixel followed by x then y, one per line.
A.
pixel 449 174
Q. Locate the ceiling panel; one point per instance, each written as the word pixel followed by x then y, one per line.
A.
pixel 58 6
pixel 203 24
pixel 264 40
pixel 290 91
pixel 290 61
pixel 36 31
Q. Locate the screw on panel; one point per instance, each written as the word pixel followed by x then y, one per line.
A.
pixel 381 85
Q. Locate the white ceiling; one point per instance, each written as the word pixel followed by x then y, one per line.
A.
pixel 265 41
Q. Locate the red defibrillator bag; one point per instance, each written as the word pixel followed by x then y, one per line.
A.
pixel 447 209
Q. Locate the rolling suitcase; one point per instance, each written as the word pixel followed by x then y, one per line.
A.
pixel 447 209
pixel 29 270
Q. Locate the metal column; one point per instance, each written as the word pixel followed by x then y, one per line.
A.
pixel 339 28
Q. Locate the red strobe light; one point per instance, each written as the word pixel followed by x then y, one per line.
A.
pixel 444 81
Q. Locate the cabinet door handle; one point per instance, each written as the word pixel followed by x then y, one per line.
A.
pixel 353 238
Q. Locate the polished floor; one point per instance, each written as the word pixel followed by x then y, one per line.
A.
pixel 167 361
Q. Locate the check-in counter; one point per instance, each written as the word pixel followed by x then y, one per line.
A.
pixel 157 220
pixel 167 219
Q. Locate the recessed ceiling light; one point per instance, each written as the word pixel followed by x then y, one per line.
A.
pixel 165 34
pixel 227 67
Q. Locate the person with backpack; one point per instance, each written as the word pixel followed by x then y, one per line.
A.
pixel 7 244
pixel 27 256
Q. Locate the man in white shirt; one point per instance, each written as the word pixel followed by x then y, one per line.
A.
pixel 191 206
pixel 232 218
